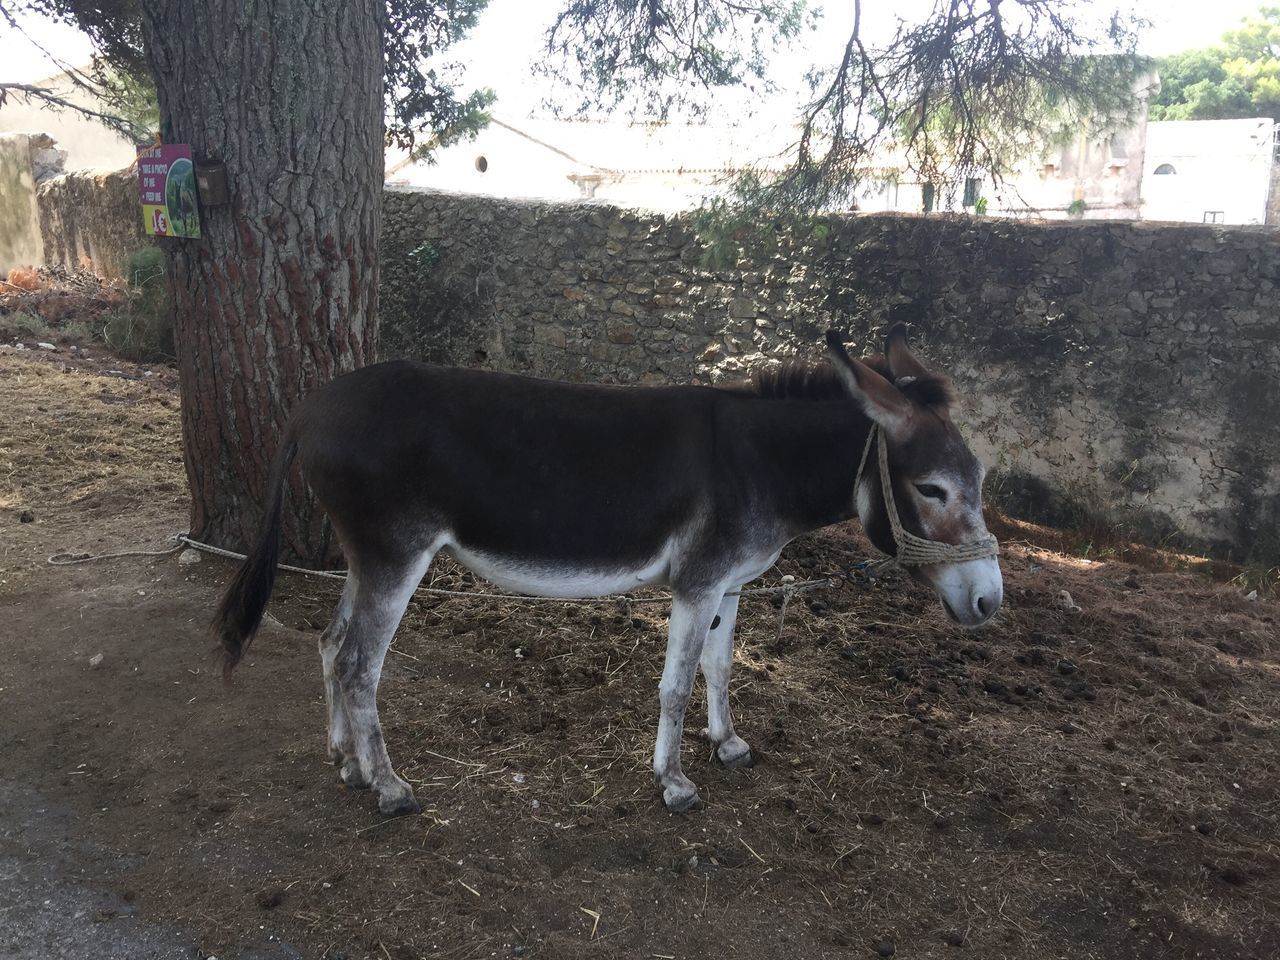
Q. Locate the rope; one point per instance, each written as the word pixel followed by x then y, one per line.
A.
pixel 916 551
pixel 70 559
pixel 786 588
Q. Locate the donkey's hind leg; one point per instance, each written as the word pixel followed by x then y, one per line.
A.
pixel 341 746
pixel 381 595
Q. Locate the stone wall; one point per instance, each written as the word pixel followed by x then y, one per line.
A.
pixel 92 221
pixel 19 223
pixel 1121 369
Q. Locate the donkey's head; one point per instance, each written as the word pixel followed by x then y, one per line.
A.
pixel 931 517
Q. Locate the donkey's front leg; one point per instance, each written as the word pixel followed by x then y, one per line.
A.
pixel 717 659
pixel 691 616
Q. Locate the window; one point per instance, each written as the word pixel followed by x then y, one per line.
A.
pixel 971 191
pixel 927 192
pixel 1117 151
pixel 1165 169
pixel 1215 216
pixel 482 163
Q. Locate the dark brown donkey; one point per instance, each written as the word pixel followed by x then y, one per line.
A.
pixel 568 490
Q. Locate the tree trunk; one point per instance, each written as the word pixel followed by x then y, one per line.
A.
pixel 279 295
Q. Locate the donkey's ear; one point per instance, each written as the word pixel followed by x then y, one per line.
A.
pixel 902 363
pixel 881 400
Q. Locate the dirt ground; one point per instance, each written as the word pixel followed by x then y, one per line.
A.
pixel 1092 783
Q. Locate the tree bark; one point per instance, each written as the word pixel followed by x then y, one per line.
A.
pixel 279 295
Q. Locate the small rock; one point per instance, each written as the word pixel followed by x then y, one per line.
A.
pixel 46 346
pixel 1066 667
pixel 26 516
pixel 188 557
pixel 1251 595
pixel 885 948
pixel 1066 603
pixel 95 661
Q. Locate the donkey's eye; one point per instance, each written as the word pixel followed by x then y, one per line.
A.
pixel 932 491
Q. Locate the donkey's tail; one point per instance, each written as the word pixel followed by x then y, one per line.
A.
pixel 245 601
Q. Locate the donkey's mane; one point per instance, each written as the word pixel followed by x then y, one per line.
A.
pixel 799 380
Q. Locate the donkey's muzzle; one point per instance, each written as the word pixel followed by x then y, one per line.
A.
pixel 981 607
pixel 971 592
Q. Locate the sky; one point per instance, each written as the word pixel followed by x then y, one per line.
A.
pixel 508 40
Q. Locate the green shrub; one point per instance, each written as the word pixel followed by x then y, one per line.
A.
pixel 31 324
pixel 143 330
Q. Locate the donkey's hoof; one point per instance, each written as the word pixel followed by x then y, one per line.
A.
pixel 680 799
pixel 735 754
pixel 399 804
pixel 352 776
pixel 336 756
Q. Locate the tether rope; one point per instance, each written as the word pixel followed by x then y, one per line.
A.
pixel 182 540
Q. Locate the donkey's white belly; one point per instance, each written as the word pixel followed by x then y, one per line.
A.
pixel 552 580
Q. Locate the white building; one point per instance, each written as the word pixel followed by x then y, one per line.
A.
pixel 1215 171
pixel 1208 171
pixel 659 166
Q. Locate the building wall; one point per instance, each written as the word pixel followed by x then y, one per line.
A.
pixel 1223 166
pixel 1273 195
pixel 1104 173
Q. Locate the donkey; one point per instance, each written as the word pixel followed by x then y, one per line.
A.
pixel 571 490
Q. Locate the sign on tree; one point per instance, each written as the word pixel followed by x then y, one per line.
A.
pixel 167 184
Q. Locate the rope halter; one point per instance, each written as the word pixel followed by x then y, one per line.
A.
pixel 916 551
